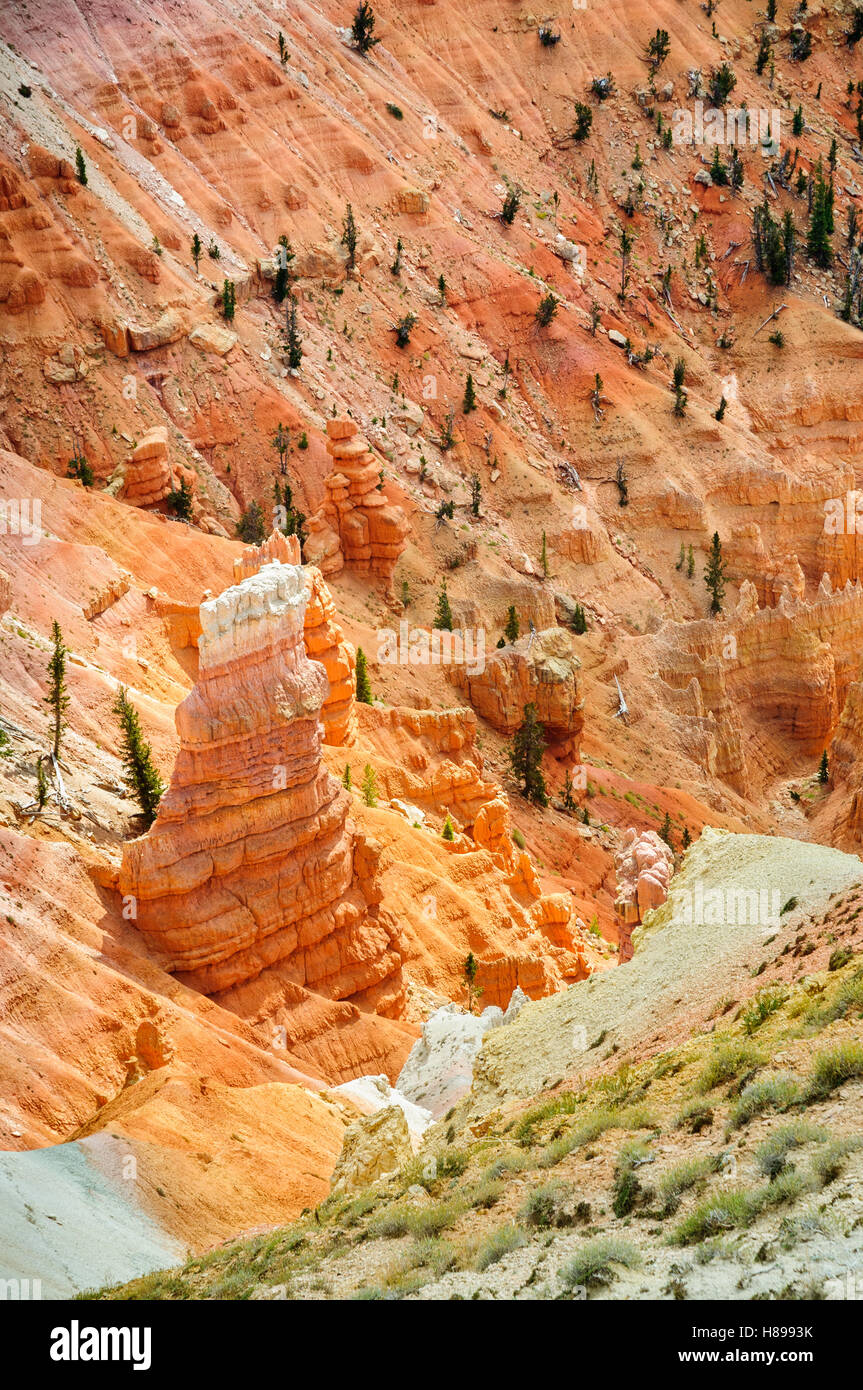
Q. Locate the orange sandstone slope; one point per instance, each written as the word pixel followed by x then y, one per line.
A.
pixel 115 346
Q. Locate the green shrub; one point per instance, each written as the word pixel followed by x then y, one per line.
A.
pixel 727 1061
pixel 723 1212
pixel 682 1177
pixel 434 1254
pixel 626 1188
pixel 829 1163
pixel 695 1116
pixel 415 1221
pixel 499 1243
pixel 777 1092
pixel 840 957
pixel 485 1193
pixel 846 998
pixel 593 1263
pixel 771 1155
pixel 759 1009
pixel 545 1206
pixel 833 1067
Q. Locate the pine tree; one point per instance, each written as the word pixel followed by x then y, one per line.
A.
pixel 141 776
pixel 546 310
pixel 718 171
pixel 362 29
pixel 443 617
pixel 229 300
pixel 281 442
pixel 510 206
pixel 197 249
pixel 469 402
pixel 41 784
pixel 469 972
pixel 283 52
pixel 180 499
pixel 626 242
pixel 251 527
pixel 80 165
pixel 690 563
pixel 441 289
pixel 346 777
pixel 543 557
pixel 57 698
pixel 823 769
pixel 686 840
pixel 294 342
pixel 579 621
pixel 370 786
pixel 714 574
pixel 511 627
pixel 821 222
pixel 406 593
pixel 349 236
pixel 569 801
pixel 284 256
pixel 364 685
pixel 720 413
pixel 525 756
pixel 448 832
pixel 475 494
pixel 665 831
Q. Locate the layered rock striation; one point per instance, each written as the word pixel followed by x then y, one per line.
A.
pixel 250 861
pixel 357 525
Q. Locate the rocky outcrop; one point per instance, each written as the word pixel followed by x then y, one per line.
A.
pixel 374 1147
pixel 356 526
pixel 644 865
pixel 323 637
pixel 429 759
pixel 539 669
pixel 250 860
pixel 146 475
pixel 785 669
pixel 167 329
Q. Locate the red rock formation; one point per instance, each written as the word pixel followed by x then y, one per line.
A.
pixel 356 526
pixel 147 475
pixel 539 669
pixel 644 865
pixel 250 861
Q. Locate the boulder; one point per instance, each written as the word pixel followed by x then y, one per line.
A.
pixel 374 1147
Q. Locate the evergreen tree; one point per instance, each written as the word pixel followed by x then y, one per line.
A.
pixel 665 831
pixel 229 301
pixel 543 557
pixel 141 776
pixel 823 769
pixel 510 206
pixel 41 784
pixel 469 972
pixel 362 29
pixel 714 574
pixel 283 52
pixel 626 242
pixel 735 171
pixel 180 499
pixel 475 494
pixel 681 559
pixel 525 756
pixel 443 616
pixel 370 786
pixel 469 402
pixel 251 527
pixel 821 221
pixel 80 165
pixel 511 627
pixel 546 310
pixel 718 171
pixel 57 698
pixel 281 442
pixel 197 249
pixel 346 777
pixel 284 256
pixel 448 832
pixel 686 840
pixel 569 802
pixel 349 237
pixel 720 413
pixel 579 621
pixel 364 685
pixel 690 563
pixel 441 289
pixel 294 343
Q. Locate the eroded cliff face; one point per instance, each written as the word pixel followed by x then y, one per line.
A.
pixel 250 861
